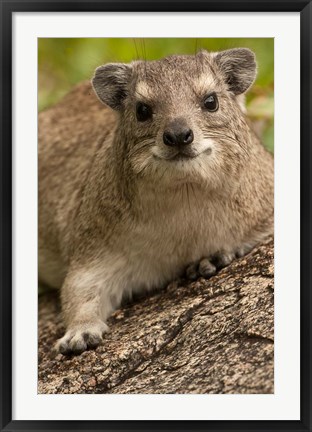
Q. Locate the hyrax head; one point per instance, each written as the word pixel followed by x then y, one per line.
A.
pixel 181 117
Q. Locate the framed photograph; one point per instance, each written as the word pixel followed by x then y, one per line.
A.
pixel 155 215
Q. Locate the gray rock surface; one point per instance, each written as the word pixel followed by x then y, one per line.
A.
pixel 207 336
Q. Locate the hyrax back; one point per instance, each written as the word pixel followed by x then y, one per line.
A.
pixel 161 173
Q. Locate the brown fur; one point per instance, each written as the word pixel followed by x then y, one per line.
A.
pixel 117 214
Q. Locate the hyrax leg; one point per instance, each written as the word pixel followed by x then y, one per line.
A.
pixel 207 267
pixel 80 337
pixel 88 298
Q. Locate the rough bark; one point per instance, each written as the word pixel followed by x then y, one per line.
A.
pixel 208 336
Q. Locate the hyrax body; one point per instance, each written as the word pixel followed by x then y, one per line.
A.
pixel 165 173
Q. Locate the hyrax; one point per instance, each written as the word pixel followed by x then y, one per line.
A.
pixel 158 173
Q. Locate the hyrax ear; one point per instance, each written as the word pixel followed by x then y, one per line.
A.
pixel 239 68
pixel 110 83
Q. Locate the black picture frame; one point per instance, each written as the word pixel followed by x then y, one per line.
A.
pixel 7 9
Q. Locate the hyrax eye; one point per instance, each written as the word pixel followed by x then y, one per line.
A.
pixel 143 112
pixel 211 102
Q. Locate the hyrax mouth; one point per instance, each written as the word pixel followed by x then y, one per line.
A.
pixel 177 156
pixel 182 157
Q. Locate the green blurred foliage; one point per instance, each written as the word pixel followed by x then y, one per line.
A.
pixel 64 62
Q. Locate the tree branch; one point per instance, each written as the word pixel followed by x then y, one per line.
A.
pixel 207 336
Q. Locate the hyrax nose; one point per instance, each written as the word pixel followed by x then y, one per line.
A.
pixel 178 134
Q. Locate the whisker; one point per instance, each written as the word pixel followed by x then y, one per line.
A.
pixel 144 50
pixel 163 175
pixel 144 56
pixel 136 49
pixel 196 59
pixel 188 197
pixel 145 139
pixel 138 149
pixel 222 137
pixel 197 203
pixel 141 171
pixel 226 138
pixel 183 206
pixel 196 41
pixel 204 169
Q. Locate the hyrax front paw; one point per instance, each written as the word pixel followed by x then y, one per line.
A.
pixel 207 267
pixel 80 337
